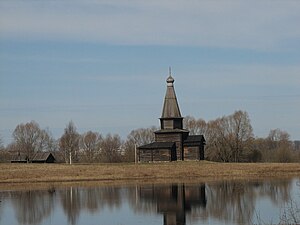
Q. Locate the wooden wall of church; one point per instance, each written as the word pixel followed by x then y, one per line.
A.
pixel 172 137
pixel 192 153
pixel 156 155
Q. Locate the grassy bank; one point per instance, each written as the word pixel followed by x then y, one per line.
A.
pixel 38 174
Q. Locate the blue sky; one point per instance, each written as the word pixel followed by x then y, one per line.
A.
pixel 103 64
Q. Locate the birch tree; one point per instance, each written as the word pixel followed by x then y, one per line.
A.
pixel 69 143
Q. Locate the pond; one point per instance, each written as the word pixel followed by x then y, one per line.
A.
pixel 224 202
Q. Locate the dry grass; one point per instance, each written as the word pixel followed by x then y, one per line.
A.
pixel 53 174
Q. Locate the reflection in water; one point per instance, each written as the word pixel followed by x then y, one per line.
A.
pixel 226 202
pixel 71 203
pixel 234 202
pixel 74 200
pixel 32 206
pixel 174 201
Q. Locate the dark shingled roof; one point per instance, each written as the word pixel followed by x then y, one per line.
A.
pixel 19 157
pixel 171 131
pixel 38 157
pixel 158 145
pixel 170 108
pixel 194 140
pixel 41 156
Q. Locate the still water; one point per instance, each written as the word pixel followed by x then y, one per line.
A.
pixel 225 202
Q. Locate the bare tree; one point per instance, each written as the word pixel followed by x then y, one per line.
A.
pixel 90 144
pixel 69 143
pixel 1 143
pixel 195 126
pixel 279 146
pixel 136 138
pixel 276 147
pixel 218 146
pixel 110 148
pixel 240 134
pixel 30 138
pixel 278 135
pixel 4 155
pixel 229 138
pixel 142 136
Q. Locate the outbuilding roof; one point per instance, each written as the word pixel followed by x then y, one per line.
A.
pixel 41 156
pixel 158 145
pixel 19 157
pixel 194 140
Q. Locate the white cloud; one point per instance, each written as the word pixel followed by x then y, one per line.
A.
pixel 242 24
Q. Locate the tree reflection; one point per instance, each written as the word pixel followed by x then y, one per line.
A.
pixel 277 190
pixel 31 207
pixel 71 204
pixel 231 201
pixel 90 199
pixel 75 200
pixel 3 195
pixel 227 201
pixel 234 201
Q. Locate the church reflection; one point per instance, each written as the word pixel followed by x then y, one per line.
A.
pixel 174 201
pixel 178 204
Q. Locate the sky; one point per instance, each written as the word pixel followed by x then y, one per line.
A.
pixel 103 64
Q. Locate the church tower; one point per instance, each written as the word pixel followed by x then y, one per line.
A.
pixel 171 117
pixel 171 121
pixel 172 142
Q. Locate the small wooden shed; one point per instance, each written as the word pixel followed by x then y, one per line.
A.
pixel 43 157
pixel 19 158
pixel 40 157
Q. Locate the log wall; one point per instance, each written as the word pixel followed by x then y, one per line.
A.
pixel 172 137
pixel 192 153
pixel 150 155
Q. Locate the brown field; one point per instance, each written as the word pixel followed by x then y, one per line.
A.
pixel 35 175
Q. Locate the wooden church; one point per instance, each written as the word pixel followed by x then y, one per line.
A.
pixel 172 142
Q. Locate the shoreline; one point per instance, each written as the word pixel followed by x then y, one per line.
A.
pixel 22 176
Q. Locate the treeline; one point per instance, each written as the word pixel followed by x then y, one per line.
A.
pixel 231 139
pixel 228 139
pixel 89 147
